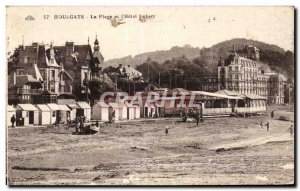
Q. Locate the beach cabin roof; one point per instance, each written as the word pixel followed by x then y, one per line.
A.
pixel 27 107
pixel 254 96
pixel 102 104
pixel 83 105
pixel 43 107
pixel 116 105
pixel 53 106
pixel 228 92
pixel 73 106
pixel 10 108
pixel 129 104
pixel 63 108
pixel 217 95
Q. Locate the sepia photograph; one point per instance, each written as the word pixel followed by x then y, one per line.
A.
pixel 141 95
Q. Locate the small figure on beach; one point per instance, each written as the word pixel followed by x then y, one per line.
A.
pixel 268 126
pixel 272 114
pixel 167 131
pixel 261 124
pixel 13 120
pixel 291 129
pixel 197 118
pixel 77 125
pixel 97 123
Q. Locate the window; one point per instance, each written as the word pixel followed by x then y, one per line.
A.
pixel 236 76
pixel 52 73
pixel 85 76
pixel 27 113
pixel 230 68
pixel 237 68
pixel 53 113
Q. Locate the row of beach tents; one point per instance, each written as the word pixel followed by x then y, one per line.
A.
pixel 45 114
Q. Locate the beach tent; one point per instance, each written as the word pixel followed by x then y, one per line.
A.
pixel 44 114
pixel 64 113
pixel 85 110
pixel 137 112
pixel 118 110
pixel 27 114
pixel 73 110
pixel 100 111
pixel 130 111
pixel 54 110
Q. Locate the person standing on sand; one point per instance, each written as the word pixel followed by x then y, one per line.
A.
pixel 261 124
pixel 13 120
pixel 291 130
pixel 272 114
pixel 268 126
pixel 166 131
pixel 197 118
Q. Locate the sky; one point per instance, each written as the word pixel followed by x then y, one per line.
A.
pixel 171 26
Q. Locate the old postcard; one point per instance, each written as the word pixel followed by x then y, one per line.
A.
pixel 150 95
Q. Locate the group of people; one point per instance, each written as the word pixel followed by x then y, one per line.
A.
pixel 79 123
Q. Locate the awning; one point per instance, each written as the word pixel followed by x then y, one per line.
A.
pixel 83 105
pixel 63 108
pixel 27 107
pixel 216 95
pixel 43 107
pixel 254 96
pixel 53 106
pixel 73 106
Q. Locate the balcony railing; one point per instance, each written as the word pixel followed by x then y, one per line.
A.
pixel 28 91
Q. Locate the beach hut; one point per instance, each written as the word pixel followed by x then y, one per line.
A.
pixel 137 112
pixel 73 110
pixel 54 111
pixel 130 111
pixel 85 110
pixel 117 108
pixel 44 114
pixel 10 111
pixel 100 111
pixel 145 110
pixel 27 114
pixel 64 113
pixel 123 113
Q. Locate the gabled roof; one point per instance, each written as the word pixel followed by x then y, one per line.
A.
pixel 254 96
pixel 73 106
pixel 116 105
pixel 27 107
pixel 228 92
pixel 83 51
pixel 98 57
pixel 53 106
pixel 63 108
pixel 10 108
pixel 25 79
pixel 83 105
pixel 102 104
pixel 43 107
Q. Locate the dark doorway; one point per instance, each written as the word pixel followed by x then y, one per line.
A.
pixel 128 113
pixel 79 112
pixel 31 117
pixel 146 112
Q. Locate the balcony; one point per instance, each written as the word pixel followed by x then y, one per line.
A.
pixel 28 91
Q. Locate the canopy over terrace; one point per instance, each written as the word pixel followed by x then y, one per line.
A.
pixel 216 100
